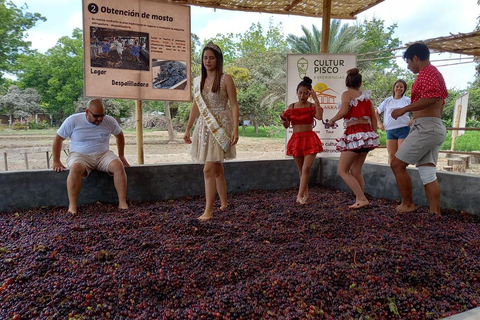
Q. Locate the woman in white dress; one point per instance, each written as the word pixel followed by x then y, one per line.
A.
pixel 216 129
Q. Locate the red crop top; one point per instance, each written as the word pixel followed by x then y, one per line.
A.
pixel 360 108
pixel 300 115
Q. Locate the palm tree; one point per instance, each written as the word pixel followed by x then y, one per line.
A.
pixel 342 39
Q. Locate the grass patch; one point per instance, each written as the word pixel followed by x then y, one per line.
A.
pixel 277 132
pixel 5 131
pixel 470 141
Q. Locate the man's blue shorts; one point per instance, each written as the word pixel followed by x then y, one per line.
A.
pixel 398 133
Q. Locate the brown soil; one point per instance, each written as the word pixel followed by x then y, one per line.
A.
pixel 158 150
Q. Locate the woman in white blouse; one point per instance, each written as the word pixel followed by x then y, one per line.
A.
pixel 397 130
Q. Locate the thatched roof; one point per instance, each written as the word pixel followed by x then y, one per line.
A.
pixel 340 9
pixel 462 43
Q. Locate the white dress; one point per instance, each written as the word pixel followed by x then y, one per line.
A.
pixel 205 147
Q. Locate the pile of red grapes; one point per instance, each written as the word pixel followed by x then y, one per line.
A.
pixel 264 257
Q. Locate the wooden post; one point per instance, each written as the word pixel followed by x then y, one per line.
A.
pixel 466 161
pixel 457 164
pixel 26 160
pixel 455 125
pixel 5 159
pixel 171 135
pixel 139 130
pixel 327 10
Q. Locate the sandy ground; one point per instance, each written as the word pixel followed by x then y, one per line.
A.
pixel 157 150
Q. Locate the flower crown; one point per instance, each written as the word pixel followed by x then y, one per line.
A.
pixel 213 46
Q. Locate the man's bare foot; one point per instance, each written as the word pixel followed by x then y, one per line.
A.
pixel 206 216
pixel 123 206
pixel 404 208
pixel 223 207
pixel 301 200
pixel 72 210
pixel 359 204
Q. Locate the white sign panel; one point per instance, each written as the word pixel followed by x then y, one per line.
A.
pixel 461 102
pixel 136 50
pixel 328 72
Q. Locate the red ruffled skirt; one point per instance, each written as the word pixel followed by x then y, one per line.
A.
pixel 304 143
pixel 358 136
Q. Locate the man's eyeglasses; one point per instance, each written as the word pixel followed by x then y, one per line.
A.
pixel 96 116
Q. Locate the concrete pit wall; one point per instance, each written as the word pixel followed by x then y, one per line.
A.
pixel 37 188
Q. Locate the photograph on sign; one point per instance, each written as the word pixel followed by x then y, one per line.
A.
pixel 328 73
pixel 168 74
pixel 119 49
pixel 137 50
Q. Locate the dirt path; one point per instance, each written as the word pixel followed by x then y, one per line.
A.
pixel 158 150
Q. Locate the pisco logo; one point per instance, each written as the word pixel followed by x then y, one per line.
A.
pixel 302 66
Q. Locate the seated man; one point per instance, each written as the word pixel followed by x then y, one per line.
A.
pixel 89 134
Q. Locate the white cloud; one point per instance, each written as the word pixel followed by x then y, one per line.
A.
pixel 75 20
pixel 43 40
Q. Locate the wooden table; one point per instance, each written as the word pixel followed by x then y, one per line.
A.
pixel 26 151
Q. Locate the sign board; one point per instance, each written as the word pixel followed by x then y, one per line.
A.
pixel 461 104
pixel 328 73
pixel 136 50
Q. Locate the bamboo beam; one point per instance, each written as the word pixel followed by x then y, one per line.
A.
pixel 257 6
pixel 292 5
pixel 327 9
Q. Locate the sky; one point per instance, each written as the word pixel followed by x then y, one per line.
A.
pixel 415 19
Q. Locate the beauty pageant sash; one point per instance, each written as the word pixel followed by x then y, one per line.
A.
pixel 218 132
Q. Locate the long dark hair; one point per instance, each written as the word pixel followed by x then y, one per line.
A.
pixel 219 72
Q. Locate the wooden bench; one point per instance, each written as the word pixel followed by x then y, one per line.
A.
pixel 26 151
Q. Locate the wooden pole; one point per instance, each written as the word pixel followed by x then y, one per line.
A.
pixel 455 125
pixel 171 135
pixel 327 10
pixel 139 130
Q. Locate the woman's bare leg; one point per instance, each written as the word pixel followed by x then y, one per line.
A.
pixel 347 159
pixel 221 184
pixel 392 147
pixel 299 161
pixel 356 171
pixel 210 189
pixel 305 176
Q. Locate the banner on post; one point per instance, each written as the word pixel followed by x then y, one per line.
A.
pixel 136 50
pixel 461 104
pixel 328 73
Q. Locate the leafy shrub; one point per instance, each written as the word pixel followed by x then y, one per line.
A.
pixel 40 125
pixel 19 126
pixel 382 136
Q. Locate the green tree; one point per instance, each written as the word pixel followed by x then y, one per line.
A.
pixel 256 40
pixel 17 103
pixel 14 23
pixel 379 41
pixel 228 45
pixel 57 74
pixel 342 39
pixel 263 54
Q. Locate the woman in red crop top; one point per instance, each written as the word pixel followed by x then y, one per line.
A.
pixel 304 144
pixel 360 135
